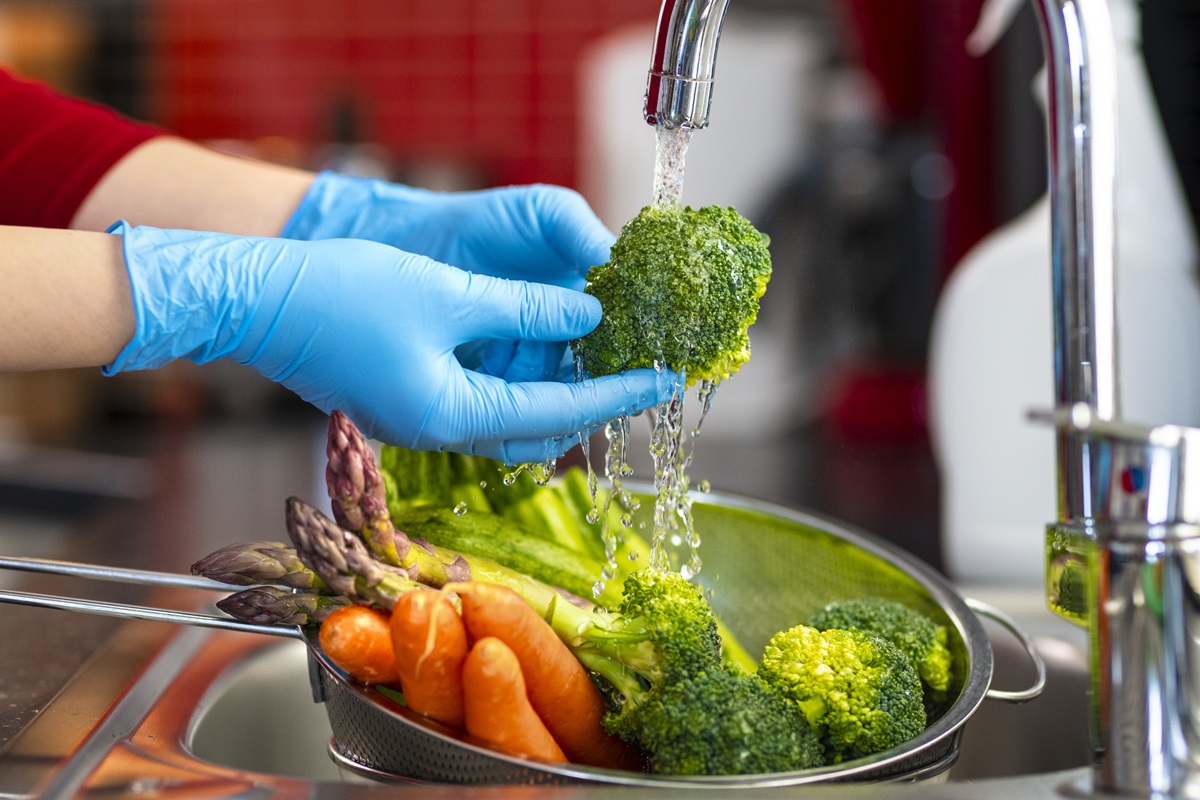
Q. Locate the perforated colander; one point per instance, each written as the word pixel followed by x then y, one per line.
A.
pixel 766 568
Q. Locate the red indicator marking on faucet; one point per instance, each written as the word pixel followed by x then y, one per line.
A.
pixel 1133 480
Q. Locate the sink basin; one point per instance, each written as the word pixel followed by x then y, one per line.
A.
pixel 259 717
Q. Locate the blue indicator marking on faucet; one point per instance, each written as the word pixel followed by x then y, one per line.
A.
pixel 1133 479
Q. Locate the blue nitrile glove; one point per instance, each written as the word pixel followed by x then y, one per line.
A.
pixel 372 330
pixel 537 233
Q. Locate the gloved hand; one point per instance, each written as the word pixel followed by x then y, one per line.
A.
pixel 372 330
pixel 537 233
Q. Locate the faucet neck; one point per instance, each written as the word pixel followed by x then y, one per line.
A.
pixel 1082 124
pixel 679 84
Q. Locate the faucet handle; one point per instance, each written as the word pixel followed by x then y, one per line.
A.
pixel 1150 474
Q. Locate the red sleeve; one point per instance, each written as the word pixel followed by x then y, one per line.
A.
pixel 53 150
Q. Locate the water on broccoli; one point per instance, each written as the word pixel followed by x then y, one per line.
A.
pixel 679 292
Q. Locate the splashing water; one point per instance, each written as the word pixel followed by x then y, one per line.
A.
pixel 541 473
pixel 672 519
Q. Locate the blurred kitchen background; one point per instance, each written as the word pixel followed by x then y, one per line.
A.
pixel 859 134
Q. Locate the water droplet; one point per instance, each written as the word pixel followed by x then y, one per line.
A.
pixel 461 508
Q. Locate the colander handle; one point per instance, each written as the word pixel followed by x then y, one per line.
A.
pixel 996 615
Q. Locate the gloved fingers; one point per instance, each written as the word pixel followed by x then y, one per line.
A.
pixel 517 310
pixel 481 407
pixel 534 361
pixel 571 227
pixel 489 356
pixel 514 361
pixel 525 451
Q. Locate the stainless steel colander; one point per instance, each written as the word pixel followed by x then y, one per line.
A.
pixel 766 569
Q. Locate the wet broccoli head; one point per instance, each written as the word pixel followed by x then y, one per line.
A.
pixel 719 723
pixel 858 690
pixel 681 288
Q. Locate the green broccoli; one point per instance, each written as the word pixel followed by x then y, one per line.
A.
pixel 721 723
pixel 917 636
pixel 859 692
pixel 672 698
pixel 664 630
pixel 680 289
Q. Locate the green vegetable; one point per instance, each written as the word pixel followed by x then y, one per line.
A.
pixel 538 530
pixel 858 690
pixel 662 635
pixel 482 533
pixel 681 288
pixel 721 723
pixel 917 636
pixel 817 697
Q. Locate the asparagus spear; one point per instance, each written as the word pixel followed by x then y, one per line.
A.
pixel 342 560
pixel 358 492
pixel 258 563
pixel 271 605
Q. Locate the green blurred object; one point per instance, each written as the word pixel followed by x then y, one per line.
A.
pixel 1068 555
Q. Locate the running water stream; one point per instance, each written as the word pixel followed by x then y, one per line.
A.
pixel 672 518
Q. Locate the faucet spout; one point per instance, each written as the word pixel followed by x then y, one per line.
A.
pixel 679 85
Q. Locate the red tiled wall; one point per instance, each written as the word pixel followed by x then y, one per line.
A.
pixel 487 82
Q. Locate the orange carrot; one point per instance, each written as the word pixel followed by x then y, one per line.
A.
pixel 559 687
pixel 430 645
pixel 358 639
pixel 497 706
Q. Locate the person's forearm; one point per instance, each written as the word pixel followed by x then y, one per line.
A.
pixel 66 299
pixel 172 183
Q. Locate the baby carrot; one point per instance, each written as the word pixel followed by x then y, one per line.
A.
pixel 430 645
pixel 497 706
pixel 559 687
pixel 358 639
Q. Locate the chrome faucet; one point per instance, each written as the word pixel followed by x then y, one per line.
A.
pixel 683 64
pixel 1128 496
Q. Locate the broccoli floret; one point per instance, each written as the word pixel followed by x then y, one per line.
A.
pixel 858 691
pixel 720 723
pixel 681 288
pixel 917 636
pixel 663 631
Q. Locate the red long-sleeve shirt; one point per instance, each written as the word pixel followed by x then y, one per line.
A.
pixel 54 149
